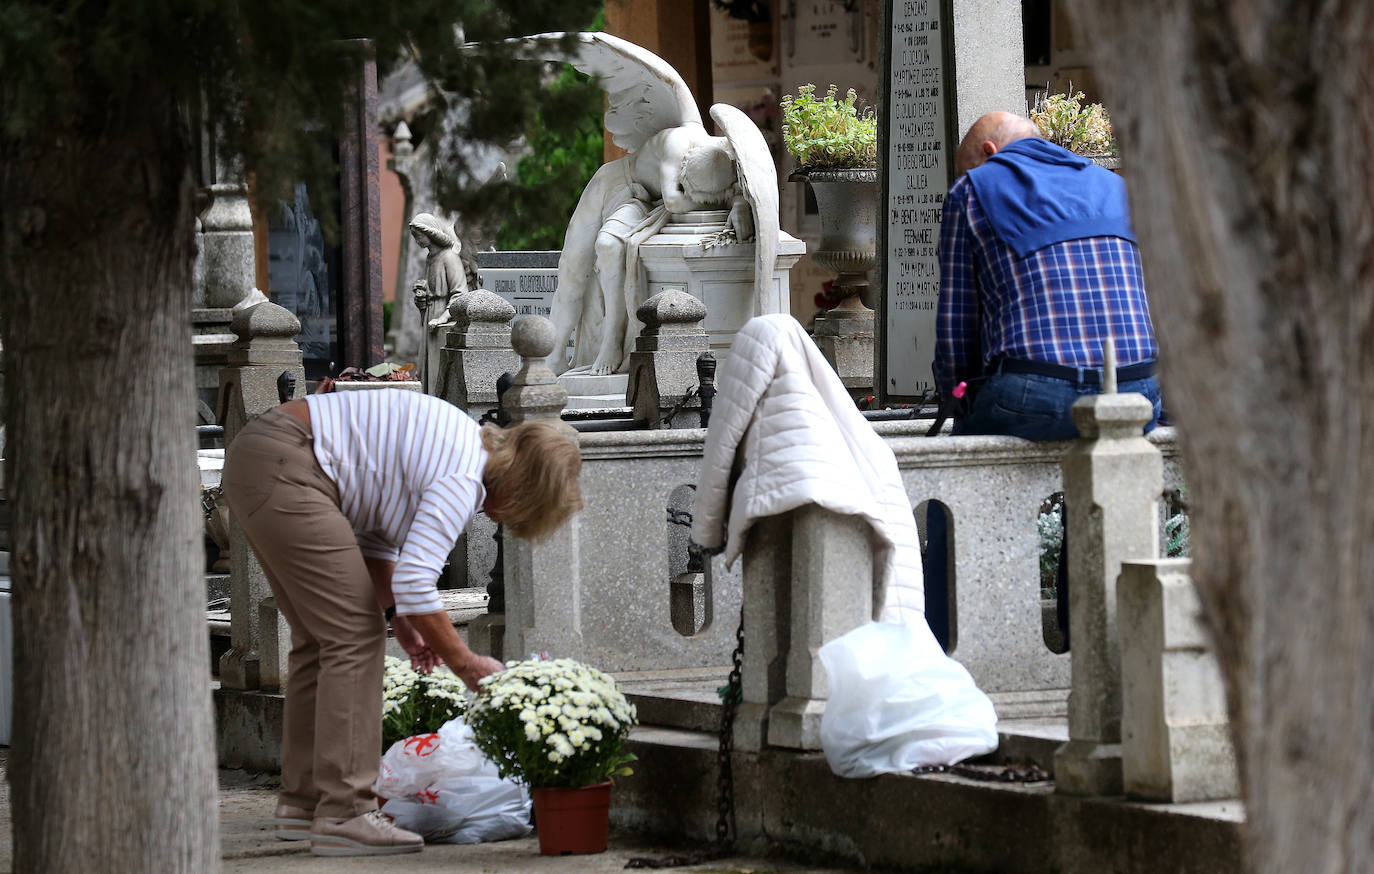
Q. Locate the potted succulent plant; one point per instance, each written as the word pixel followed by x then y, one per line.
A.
pixel 559 727
pixel 836 145
pixel 1084 129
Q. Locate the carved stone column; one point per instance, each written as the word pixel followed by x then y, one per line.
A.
pixel 1113 478
pixel 663 367
pixel 477 350
pixel 249 387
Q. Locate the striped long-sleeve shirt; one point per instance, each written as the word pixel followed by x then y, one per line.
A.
pixel 409 471
pixel 1055 305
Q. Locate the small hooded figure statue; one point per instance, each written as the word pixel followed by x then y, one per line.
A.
pixel 444 277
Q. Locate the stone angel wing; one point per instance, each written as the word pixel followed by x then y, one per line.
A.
pixel 646 94
pixel 758 180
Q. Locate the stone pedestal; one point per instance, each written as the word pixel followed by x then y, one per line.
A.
pixel 845 337
pixel 224 275
pixel 807 580
pixel 691 254
pixel 248 387
pixel 476 351
pixel 1175 738
pixel 663 367
pixel 589 392
pixel 542 579
pixel 1113 478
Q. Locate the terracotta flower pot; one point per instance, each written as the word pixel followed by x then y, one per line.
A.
pixel 572 821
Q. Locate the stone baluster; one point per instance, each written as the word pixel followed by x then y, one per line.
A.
pixel 224 274
pixel 477 350
pixel 247 388
pixel 663 365
pixel 1113 478
pixel 542 580
pixel 807 580
pixel 1175 739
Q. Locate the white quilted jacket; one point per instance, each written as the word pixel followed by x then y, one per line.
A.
pixel 782 415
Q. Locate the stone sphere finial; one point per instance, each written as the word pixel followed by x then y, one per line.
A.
pixel 532 337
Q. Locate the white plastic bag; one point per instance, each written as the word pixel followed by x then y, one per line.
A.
pixel 441 787
pixel 898 702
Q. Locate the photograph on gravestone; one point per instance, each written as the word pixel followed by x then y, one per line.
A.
pixel 918 136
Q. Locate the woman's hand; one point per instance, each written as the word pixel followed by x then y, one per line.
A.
pixel 422 658
pixel 477 667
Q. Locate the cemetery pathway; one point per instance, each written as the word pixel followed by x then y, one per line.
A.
pixel 246 802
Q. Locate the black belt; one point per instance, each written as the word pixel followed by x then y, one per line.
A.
pixel 1076 375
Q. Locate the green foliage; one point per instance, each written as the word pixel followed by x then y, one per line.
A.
pixel 566 148
pixel 1064 120
pixel 269 77
pixel 829 134
pixel 1050 524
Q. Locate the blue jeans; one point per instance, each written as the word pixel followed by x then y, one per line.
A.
pixel 1032 407
pixel 1037 407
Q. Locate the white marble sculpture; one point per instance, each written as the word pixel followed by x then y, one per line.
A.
pixel 674 166
pixel 444 277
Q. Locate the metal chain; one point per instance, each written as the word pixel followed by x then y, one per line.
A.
pixel 725 780
pixel 725 777
pixel 679 517
pixel 990 773
pixel 667 421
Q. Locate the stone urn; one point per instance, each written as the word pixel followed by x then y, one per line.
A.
pixel 848 204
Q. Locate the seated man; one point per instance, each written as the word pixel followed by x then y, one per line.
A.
pixel 1038 267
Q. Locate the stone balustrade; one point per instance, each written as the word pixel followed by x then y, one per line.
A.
pixel 249 387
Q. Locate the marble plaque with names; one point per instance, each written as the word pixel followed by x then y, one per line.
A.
pixel 919 165
pixel 525 280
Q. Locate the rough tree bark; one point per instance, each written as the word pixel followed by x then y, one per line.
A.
pixel 1245 128
pixel 112 766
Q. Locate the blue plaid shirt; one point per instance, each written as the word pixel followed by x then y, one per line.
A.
pixel 1057 304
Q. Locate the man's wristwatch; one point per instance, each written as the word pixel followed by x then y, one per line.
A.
pixel 390 612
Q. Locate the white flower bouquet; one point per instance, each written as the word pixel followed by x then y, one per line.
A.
pixel 553 723
pixel 415 703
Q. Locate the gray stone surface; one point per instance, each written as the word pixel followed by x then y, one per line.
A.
pixel 1113 479
pixel 476 351
pixel 600 589
pixel 990 31
pixel 534 394
pixel 828 592
pixel 248 387
pixel 1175 738
pixel 663 367
pixel 226 246
pixel 785 800
pixel 845 338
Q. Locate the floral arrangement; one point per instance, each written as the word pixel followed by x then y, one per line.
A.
pixel 829 134
pixel 1064 120
pixel 553 723
pixel 415 703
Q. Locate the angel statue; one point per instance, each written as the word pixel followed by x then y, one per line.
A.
pixel 674 166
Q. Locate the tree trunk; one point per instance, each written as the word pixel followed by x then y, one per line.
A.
pixel 113 761
pixel 1245 131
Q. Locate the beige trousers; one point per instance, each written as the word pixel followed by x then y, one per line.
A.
pixel 289 510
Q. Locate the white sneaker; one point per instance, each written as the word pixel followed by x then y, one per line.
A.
pixel 372 834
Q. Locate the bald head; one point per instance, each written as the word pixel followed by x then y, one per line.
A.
pixel 989 134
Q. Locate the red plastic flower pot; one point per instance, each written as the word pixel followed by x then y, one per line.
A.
pixel 572 821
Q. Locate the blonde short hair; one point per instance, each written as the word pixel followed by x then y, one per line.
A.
pixel 531 478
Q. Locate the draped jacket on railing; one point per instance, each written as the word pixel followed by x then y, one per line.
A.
pixel 785 422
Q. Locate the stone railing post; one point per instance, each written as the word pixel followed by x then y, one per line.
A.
pixel 845 337
pixel 542 582
pixel 663 365
pixel 1175 739
pixel 808 578
pixel 476 351
pixel 1113 478
pixel 247 388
